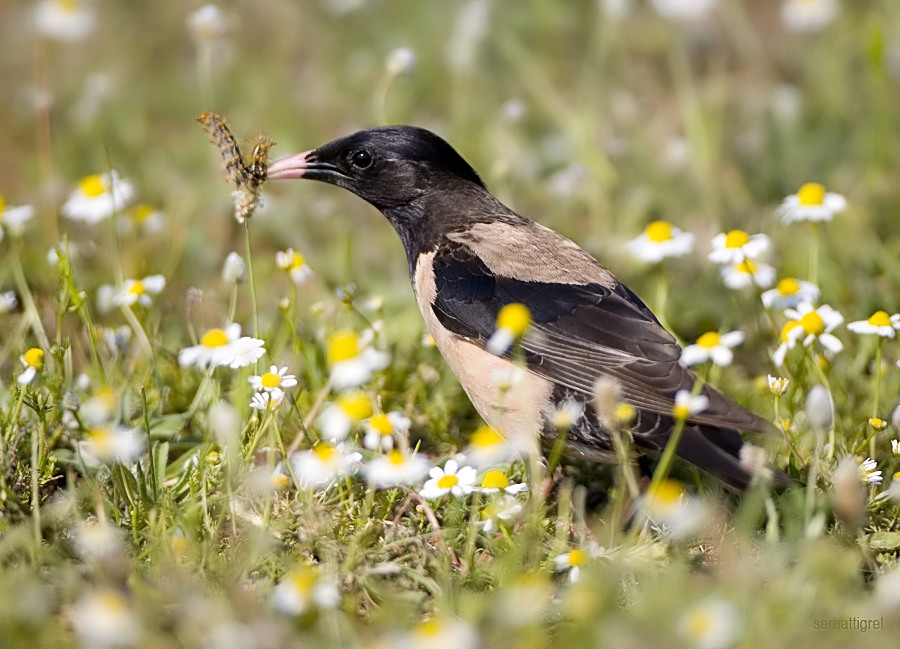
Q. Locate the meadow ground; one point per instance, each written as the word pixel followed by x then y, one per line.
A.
pixel 227 434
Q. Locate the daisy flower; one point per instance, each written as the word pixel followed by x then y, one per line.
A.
pixel 96 540
pixel 712 624
pixel 352 363
pixel 381 428
pixel 495 481
pixel 504 509
pixel 672 509
pixel 566 414
pixel 512 322
pixel 33 360
pixel 304 589
pixel 64 20
pixel 488 446
pixel 811 203
pixel 746 273
pixel 736 246
pixel 778 385
pixel 105 619
pixel 143 216
pixel 809 324
pixel 318 467
pixel 452 479
pixel 895 446
pixel 8 302
pixel 394 469
pixel 437 633
pixel 808 16
pixel 683 10
pixel 659 240
pixel 399 61
pixel 293 264
pixel 868 473
pixel 113 445
pixel 13 219
pixel 139 290
pixel 207 23
pixel 267 399
pixel 223 347
pixel 574 560
pixel 275 379
pixel 879 323
pixel 790 292
pixel 687 404
pixel 98 197
pixel 339 417
pixel 234 270
pixel 714 347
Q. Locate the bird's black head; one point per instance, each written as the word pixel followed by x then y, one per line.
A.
pixel 389 166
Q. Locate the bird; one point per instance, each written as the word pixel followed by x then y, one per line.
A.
pixel 469 256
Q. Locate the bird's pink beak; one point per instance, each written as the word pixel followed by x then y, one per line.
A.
pixel 292 166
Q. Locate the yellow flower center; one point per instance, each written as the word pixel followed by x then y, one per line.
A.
pixel 2 207
pixel 325 452
pixel 746 266
pixel 788 286
pixel 382 423
pixel 396 458
pixel 34 357
pixel 514 317
pixel 92 186
pixel 112 602
pixel 137 288
pixel 486 437
pixel 214 338
pixel 67 5
pixel 342 346
pixel 270 380
pixel 625 413
pixel 495 480
pixel 659 231
pixel 355 405
pixel 880 319
pixel 101 439
pixel 877 423
pixel 448 481
pixel 709 340
pixel 429 628
pixel 788 328
pixel 811 194
pixel 297 261
pixel 139 213
pixel 577 557
pixel 699 624
pixel 812 323
pixel 736 239
pixel 303 580
pixel 666 493
pixel 681 412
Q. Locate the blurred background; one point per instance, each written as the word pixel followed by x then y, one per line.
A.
pixel 593 118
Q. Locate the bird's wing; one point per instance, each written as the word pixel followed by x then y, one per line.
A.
pixel 579 333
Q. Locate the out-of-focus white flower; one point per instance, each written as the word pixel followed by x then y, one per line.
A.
pixel 395 468
pixel 338 418
pixel 488 446
pixel 736 246
pixel 673 510
pixel 451 479
pixel 495 481
pixel 139 290
pixel 267 400
pixel 110 444
pixel 808 15
pixel 513 321
pixel 352 363
pixel 566 414
pixel 223 347
pixel 207 23
pixel 504 509
pixel 294 264
pixel 143 217
pixel 659 240
pixel 683 10
pixel 64 20
pixel 437 633
pixel 714 347
pixel 33 360
pixel 104 619
pixel 98 541
pixel 879 323
pixel 234 270
pixel 790 292
pixel 778 385
pixel 687 404
pixel 747 273
pixel 381 429
pixel 304 589
pixel 400 60
pixel 811 203
pixel 320 466
pixel 98 197
pixel 574 560
pixel 13 219
pixel 8 302
pixel 712 624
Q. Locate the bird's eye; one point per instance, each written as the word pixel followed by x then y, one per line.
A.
pixel 361 159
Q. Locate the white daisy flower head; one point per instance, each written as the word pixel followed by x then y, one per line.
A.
pixel 659 240
pixel 790 292
pixel 574 560
pixel 807 16
pixel 441 632
pixel 451 479
pixel 495 481
pixel 33 361
pixel 778 385
pixel 673 510
pixel 879 323
pixel 207 23
pixel 339 417
pixel 144 217
pixel 99 409
pixel 895 447
pixel 294 264
pixel 13 219
pixel 234 270
pixel 687 404
pixel 747 273
pixel 64 20
pixel 712 346
pixel 97 541
pixel 395 468
pixel 504 509
pixel 566 414
pixel 105 619
pixel 304 589
pixel 381 428
pixel 112 444
pixel 320 466
pixel 735 246
pixel 809 324
pixel 513 321
pixel 869 473
pixel 98 197
pixel 488 446
pixel 223 347
pixel 711 624
pixel 683 10
pixel 811 203
pixel 352 361
pixel 138 291
pixel 399 61
pixel 8 302
pixel 267 400
pixel 277 378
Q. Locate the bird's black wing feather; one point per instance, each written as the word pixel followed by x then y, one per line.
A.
pixel 578 334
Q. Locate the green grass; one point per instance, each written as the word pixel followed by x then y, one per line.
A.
pixel 197 543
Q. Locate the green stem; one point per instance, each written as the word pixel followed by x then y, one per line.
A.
pixel 878 358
